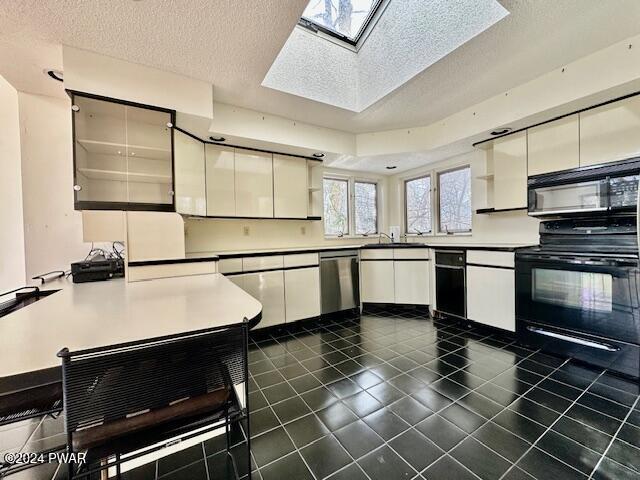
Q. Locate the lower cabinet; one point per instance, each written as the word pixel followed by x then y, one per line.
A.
pixel 302 293
pixel 268 289
pixel 491 296
pixel 411 282
pixel 377 281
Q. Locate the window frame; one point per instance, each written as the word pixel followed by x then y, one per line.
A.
pixel 406 210
pixel 439 174
pixel 377 203
pixel 435 173
pixel 360 35
pixel 351 215
pixel 337 178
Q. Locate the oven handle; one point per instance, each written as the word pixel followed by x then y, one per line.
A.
pixel 569 338
pixel 574 210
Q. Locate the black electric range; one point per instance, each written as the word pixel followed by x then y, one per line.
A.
pixel 578 292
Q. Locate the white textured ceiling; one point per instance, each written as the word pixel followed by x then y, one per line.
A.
pixel 410 36
pixel 232 43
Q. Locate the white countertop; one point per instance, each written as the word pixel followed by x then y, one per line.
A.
pixel 96 314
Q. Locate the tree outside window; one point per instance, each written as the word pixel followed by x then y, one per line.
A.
pixel 455 200
pixel 336 206
pixel 418 205
pixel 366 208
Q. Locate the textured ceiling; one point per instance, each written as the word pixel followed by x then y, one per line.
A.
pixel 232 43
pixel 410 36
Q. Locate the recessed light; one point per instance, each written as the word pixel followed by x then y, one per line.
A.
pixel 501 131
pixel 217 139
pixel 390 167
pixel 55 74
pixel 318 155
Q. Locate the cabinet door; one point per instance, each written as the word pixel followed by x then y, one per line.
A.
pixel 411 282
pixel 377 281
pixel 510 171
pixel 302 293
pixel 553 146
pixel 268 289
pixel 254 184
pixel 610 132
pixel 221 189
pixel 491 296
pixel 189 174
pixel 290 190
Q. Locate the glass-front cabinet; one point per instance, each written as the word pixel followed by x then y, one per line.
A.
pixel 123 155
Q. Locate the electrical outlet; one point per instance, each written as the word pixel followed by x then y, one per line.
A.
pixel 303 230
pixel 245 230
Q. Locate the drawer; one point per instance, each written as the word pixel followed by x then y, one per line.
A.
pixel 411 253
pixel 230 265
pixel 301 260
pixel 491 258
pixel 376 254
pixel 267 262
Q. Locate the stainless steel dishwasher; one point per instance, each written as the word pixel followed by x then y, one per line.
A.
pixel 339 281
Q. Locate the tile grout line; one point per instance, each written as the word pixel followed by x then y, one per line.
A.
pixel 533 445
pixel 615 437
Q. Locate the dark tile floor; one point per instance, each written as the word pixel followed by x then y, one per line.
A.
pixel 390 396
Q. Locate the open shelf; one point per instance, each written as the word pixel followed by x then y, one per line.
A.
pixel 314 189
pixel 110 148
pixel 485 177
pixel 120 176
pixel 485 211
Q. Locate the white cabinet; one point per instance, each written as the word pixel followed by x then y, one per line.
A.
pixel 610 132
pixel 268 289
pixel 377 281
pixel 302 293
pixel 189 175
pixel 491 296
pixel 554 146
pixel 253 184
pixel 290 190
pixel 220 184
pixel 510 171
pixel 411 282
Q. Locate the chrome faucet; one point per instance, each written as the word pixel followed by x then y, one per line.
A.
pixel 389 237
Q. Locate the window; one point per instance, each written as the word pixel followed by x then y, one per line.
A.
pixel 454 200
pixel 336 206
pixel 344 19
pixel 417 193
pixel 366 208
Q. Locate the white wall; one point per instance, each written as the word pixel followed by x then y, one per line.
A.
pixel 52 228
pixel 12 267
pixel 498 228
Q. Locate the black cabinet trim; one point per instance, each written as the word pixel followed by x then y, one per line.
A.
pixel 502 267
pixel 485 211
pixel 172 261
pixel 125 206
pixel 278 269
pixel 222 144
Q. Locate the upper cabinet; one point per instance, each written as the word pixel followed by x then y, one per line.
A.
pixel 189 175
pixel 554 146
pixel 253 184
pixel 221 183
pixel 290 191
pixel 610 132
pixel 510 171
pixel 123 155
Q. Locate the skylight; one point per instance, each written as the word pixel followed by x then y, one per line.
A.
pixel 344 19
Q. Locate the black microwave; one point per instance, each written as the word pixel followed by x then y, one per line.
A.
pixel 602 188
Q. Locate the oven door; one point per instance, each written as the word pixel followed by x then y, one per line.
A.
pixel 573 198
pixel 593 295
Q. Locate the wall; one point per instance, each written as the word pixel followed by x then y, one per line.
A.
pixel 52 228
pixel 12 269
pixel 501 228
pixel 217 235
